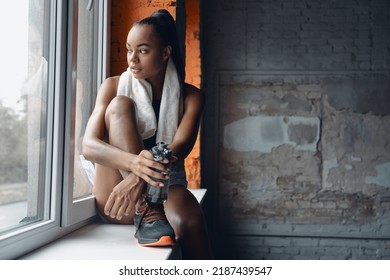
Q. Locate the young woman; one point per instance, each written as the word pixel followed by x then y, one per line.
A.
pixel 148 103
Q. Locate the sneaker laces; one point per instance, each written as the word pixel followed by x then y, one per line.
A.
pixel 151 212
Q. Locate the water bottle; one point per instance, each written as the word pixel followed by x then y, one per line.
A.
pixel 159 194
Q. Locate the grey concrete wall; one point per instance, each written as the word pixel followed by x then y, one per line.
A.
pixel 296 132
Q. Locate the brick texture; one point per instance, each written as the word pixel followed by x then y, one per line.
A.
pixel 193 76
pixel 297 128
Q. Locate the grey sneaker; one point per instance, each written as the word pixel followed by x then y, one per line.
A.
pixel 152 226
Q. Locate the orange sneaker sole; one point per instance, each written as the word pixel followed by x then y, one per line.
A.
pixel 162 242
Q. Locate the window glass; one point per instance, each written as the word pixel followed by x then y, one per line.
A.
pixel 86 87
pixel 24 26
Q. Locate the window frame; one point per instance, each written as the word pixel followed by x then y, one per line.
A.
pixel 82 208
pixel 64 215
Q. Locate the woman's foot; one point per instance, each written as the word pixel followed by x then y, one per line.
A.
pixel 152 226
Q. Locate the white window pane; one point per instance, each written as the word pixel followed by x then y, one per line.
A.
pixel 85 92
pixel 23 101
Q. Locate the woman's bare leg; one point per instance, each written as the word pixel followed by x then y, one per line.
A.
pixel 186 217
pixel 121 132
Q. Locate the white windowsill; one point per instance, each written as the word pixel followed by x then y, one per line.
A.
pixel 103 242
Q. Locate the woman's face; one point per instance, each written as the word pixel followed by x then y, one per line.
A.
pixel 146 56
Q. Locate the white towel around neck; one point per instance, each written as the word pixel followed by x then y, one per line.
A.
pixel 171 107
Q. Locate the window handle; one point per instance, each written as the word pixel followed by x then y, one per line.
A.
pixel 90 5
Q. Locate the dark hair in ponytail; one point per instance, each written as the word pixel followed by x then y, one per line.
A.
pixel 165 27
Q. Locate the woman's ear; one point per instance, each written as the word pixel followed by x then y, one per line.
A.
pixel 167 52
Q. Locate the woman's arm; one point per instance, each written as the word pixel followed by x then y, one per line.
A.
pixel 187 131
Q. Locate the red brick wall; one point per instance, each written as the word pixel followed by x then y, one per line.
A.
pixel 193 76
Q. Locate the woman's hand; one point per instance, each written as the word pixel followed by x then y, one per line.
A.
pixel 146 168
pixel 124 197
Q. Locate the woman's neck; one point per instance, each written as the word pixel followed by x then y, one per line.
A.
pixel 157 83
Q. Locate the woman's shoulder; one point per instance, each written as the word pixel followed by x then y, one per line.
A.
pixel 109 85
pixel 192 94
pixel 111 82
pixel 108 90
pixel 191 90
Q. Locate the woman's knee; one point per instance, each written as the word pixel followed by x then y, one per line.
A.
pixel 120 106
pixel 190 226
pixel 184 212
